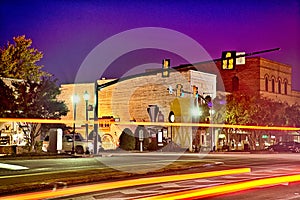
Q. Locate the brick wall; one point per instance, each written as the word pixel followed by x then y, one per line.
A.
pixel 252 79
pixel 130 99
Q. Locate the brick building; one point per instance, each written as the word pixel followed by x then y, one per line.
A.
pixel 261 76
pixel 265 78
pixel 129 100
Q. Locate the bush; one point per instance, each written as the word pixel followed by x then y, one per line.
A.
pixel 127 140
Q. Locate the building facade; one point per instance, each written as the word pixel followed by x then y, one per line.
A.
pixel 267 79
pixel 261 76
pixel 130 100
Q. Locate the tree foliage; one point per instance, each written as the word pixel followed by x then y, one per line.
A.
pixel 38 99
pixel 26 90
pixel 7 97
pixel 253 110
pixel 19 60
pixel 29 99
pixel 239 109
pixel 292 114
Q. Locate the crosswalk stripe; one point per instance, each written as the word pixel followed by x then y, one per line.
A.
pixel 12 167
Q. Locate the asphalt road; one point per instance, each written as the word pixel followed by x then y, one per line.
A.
pixel 288 191
pixel 118 166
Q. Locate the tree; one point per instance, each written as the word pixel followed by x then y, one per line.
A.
pixel 19 60
pixel 31 92
pixel 37 100
pixel 268 112
pixel 238 111
pixel 7 97
pixel 292 114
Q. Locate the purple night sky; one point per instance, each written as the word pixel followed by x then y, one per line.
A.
pixel 66 31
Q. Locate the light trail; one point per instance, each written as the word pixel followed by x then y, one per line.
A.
pixel 32 120
pixel 59 121
pixel 121 184
pixel 226 189
pixel 210 125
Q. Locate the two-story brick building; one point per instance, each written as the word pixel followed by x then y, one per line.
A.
pixel 265 77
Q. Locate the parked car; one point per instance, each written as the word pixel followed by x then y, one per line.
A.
pixel 80 145
pixel 285 147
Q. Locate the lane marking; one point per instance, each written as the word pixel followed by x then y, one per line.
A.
pixel 226 188
pixel 117 167
pixel 12 167
pixel 45 173
pixel 121 184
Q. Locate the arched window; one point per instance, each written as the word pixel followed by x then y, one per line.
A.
pixel 266 84
pixel 279 86
pixel 285 86
pixel 235 83
pixel 273 84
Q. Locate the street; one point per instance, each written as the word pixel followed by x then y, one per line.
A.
pixel 57 173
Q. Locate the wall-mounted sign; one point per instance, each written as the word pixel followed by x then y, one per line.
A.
pixel 240 60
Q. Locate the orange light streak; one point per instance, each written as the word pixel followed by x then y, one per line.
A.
pixel 227 188
pixel 42 121
pixel 54 121
pixel 121 184
pixel 210 125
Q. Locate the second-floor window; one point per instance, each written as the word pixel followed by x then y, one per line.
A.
pixel 235 83
pixel 266 84
pixel 285 87
pixel 273 85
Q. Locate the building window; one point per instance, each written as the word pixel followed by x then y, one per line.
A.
pixel 279 86
pixel 266 84
pixel 285 87
pixel 235 83
pixel 273 85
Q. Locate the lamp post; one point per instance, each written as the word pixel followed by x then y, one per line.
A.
pixel 213 144
pixel 171 120
pixel 86 97
pixel 75 100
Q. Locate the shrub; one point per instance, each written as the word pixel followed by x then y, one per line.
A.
pixel 127 140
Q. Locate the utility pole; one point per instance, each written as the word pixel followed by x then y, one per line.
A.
pixel 96 120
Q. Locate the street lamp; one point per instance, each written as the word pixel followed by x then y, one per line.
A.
pixel 75 100
pixel 86 97
pixel 211 113
pixel 171 120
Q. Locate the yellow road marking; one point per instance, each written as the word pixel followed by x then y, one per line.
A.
pixel 121 184
pixel 225 189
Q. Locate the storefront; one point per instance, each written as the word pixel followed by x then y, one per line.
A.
pixel 10 137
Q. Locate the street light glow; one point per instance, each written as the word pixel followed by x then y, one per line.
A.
pixel 86 96
pixel 75 99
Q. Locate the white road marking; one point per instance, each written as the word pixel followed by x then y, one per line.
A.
pixel 12 167
pixel 132 191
